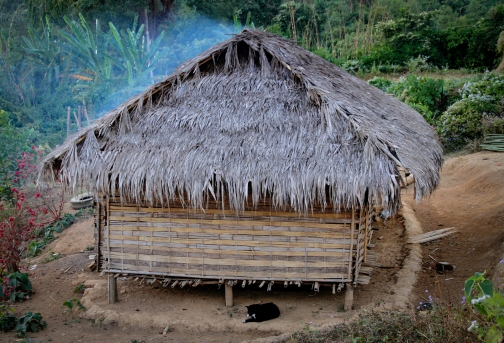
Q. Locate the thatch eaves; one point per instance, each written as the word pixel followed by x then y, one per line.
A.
pixel 255 115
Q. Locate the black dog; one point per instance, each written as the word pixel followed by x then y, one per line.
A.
pixel 261 312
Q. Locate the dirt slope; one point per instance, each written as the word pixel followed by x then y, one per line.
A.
pixel 470 199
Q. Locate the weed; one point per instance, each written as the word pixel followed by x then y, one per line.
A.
pixel 487 301
pixel 7 320
pixel 16 287
pixel 79 288
pixel 30 322
pixel 51 257
pixel 70 304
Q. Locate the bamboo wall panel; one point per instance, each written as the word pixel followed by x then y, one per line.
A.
pixel 216 243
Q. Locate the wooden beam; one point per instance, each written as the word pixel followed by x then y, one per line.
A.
pixel 112 289
pixel 348 297
pixel 229 295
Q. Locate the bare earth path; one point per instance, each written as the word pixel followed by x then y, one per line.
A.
pixel 471 199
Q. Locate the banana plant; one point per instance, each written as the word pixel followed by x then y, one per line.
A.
pixel 45 53
pixel 90 48
pixel 136 57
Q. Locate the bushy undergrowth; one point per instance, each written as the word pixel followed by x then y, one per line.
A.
pixel 462 110
pixel 24 209
pixel 441 324
pixel 480 110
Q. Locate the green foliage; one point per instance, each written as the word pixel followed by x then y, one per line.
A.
pixel 426 95
pixel 52 256
pixel 7 320
pixel 71 302
pixel 480 294
pixel 409 36
pixel 46 56
pixel 64 222
pixel 79 288
pixel 479 110
pixel 381 83
pixel 55 54
pixel 45 235
pixel 30 322
pixel 137 57
pixel 13 141
pixel 422 93
pixel 17 287
pixel 90 47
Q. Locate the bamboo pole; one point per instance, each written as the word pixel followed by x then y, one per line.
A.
pixel 76 120
pixel 84 109
pixel 68 120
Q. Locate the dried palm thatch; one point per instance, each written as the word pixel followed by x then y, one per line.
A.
pixel 255 116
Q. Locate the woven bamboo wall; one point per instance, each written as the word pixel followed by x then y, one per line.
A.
pixel 217 244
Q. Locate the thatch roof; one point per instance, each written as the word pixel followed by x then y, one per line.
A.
pixel 256 115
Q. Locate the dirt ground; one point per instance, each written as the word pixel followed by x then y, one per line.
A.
pixel 470 198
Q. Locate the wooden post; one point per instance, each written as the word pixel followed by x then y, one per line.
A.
pixel 348 296
pixel 112 289
pixel 68 121
pixel 76 120
pixel 79 117
pixel 84 109
pixel 229 295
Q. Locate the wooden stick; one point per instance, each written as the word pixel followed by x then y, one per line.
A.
pixel 432 235
pixel 68 269
pixel 84 109
pixel 77 120
pixel 68 120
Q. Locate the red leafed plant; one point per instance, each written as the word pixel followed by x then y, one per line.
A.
pixel 28 208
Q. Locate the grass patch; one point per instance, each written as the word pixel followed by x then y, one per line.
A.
pixel 441 324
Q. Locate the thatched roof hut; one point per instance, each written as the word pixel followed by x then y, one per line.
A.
pixel 254 161
pixel 255 115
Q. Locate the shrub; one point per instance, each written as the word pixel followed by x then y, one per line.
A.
pixel 486 300
pixel 30 322
pixel 381 83
pixel 480 110
pixel 27 209
pixel 7 320
pixel 14 142
pixel 426 95
pixel 16 287
pixel 46 235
